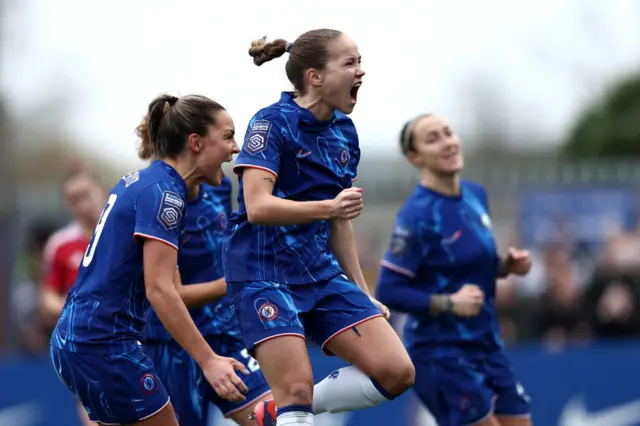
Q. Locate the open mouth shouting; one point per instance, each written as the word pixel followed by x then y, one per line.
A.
pixel 354 92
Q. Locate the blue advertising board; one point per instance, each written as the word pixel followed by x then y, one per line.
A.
pixel 595 385
pixel 580 213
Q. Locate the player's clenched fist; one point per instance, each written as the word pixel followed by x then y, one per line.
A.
pixel 468 301
pixel 348 204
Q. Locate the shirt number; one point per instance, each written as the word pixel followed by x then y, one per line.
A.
pixel 252 364
pixel 91 250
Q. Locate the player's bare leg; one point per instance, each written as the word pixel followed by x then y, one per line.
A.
pixel 284 361
pixel 382 370
pixel 379 355
pixel 514 421
pixel 490 420
pixel 84 417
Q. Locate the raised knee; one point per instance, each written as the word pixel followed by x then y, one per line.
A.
pixel 406 375
pixel 397 377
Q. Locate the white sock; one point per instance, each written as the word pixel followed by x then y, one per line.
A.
pixel 346 389
pixel 295 418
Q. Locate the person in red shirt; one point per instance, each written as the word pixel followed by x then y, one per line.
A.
pixel 84 197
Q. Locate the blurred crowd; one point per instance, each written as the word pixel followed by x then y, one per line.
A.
pixel 574 294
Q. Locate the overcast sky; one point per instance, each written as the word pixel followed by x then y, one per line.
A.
pixel 541 60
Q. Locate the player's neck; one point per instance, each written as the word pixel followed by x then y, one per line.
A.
pixel 314 104
pixel 186 171
pixel 447 185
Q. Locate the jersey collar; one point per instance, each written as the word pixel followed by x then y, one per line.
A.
pixel 171 171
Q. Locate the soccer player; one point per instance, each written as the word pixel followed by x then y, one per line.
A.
pixel 290 259
pixel 200 266
pixel 131 261
pixel 441 268
pixel 84 197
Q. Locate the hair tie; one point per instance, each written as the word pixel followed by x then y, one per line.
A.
pixel 168 104
pixel 289 47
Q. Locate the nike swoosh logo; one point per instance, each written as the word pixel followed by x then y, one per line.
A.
pixel 302 154
pixel 25 414
pixel 453 238
pixel 575 414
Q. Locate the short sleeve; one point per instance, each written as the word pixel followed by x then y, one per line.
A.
pixel 160 213
pixel 406 248
pixel 263 145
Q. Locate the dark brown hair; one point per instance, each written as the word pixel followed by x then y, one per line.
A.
pixel 145 151
pixel 170 121
pixel 307 51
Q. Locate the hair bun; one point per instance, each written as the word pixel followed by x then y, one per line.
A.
pixel 257 47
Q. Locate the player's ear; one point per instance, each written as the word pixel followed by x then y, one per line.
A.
pixel 314 77
pixel 194 143
pixel 414 158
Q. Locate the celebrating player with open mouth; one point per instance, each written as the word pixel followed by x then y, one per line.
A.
pixel 290 258
pixel 203 291
pixel 131 261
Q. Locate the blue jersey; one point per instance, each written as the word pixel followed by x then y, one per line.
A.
pixel 105 309
pixel 439 244
pixel 200 260
pixel 312 160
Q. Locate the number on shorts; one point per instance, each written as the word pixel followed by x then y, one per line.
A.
pixel 91 250
pixel 252 364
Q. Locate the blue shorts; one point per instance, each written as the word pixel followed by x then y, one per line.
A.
pixel 320 310
pixel 113 388
pixel 460 391
pixel 189 390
